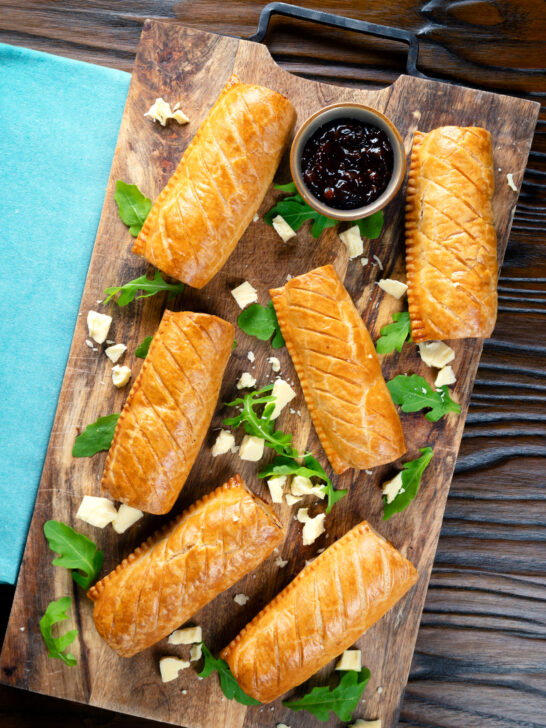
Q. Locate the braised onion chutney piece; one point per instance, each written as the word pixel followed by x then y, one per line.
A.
pixel 347 164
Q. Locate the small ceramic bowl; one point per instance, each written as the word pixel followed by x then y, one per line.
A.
pixel 368 116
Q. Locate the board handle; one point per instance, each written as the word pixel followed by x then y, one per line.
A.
pixel 340 21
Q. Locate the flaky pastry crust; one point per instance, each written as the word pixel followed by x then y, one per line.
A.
pixel 451 245
pixel 169 408
pixel 219 184
pixel 164 582
pixel 327 607
pixel 339 371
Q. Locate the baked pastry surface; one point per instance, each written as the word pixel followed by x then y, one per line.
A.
pixel 207 549
pixel 169 408
pixel 327 607
pixel 339 371
pixel 219 184
pixel 451 245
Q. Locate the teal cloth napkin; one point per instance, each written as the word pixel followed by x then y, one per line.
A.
pixel 59 121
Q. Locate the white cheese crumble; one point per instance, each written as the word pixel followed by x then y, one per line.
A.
pixel 283 228
pixel 90 345
pixel 114 353
pixel 246 380
pixel 510 182
pixel 301 485
pixel 276 487
pixel 392 487
pixel 352 239
pixel 283 394
pixel 245 294
pixel 436 353
pixel 98 512
pixel 281 563
pixel 350 660
pixel 360 723
pixel 364 261
pixel 303 515
pixel 186 636
pixel 282 725
pixel 196 652
pixel 98 325
pixel 291 499
pixel 275 363
pixel 120 375
pixel 241 599
pixel 224 443
pixel 445 376
pixel 161 111
pixel 250 356
pixel 252 448
pixel 255 217
pixel 392 287
pixel 379 263
pixel 313 528
pixel 125 518
pixel 169 667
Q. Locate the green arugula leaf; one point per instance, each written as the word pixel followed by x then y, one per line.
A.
pixel 95 437
pixel 411 479
pixel 309 468
pixel 370 227
pixel 76 551
pixel 414 393
pixel 230 686
pixel 393 336
pixel 290 188
pixel 133 207
pixel 130 289
pixel 56 646
pixel 234 344
pixel 261 322
pixel 342 699
pixel 143 348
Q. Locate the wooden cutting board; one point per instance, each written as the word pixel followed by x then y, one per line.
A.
pixel 178 63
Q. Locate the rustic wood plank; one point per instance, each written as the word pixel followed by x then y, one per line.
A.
pixel 511 326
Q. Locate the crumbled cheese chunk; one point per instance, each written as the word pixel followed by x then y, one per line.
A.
pixel 275 363
pixel 241 599
pixel 364 261
pixel 245 294
pixel 436 353
pixel 90 345
pixel 393 288
pixel 250 356
pixel 224 443
pixel 350 660
pixel 281 563
pixel 283 394
pixel 186 636
pixel 114 353
pixel 313 528
pixel 169 667
pixel 282 725
pixel 196 652
pixel 303 515
pixel 276 487
pixel 445 376
pixel 252 448
pixel 125 518
pixel 246 380
pixel 301 485
pixel 283 228
pixel 392 487
pixel 352 240
pixel 120 375
pixel 98 325
pixel 255 217
pixel 98 512
pixel 360 723
pixel 379 263
pixel 510 182
pixel 161 111
pixel 291 499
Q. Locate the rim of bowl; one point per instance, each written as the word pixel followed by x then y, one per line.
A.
pixel 358 212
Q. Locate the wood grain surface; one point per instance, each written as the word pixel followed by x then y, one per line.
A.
pixel 480 658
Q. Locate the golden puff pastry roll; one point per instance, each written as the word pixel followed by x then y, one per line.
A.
pixel 451 245
pixel 219 184
pixel 339 371
pixel 169 408
pixel 327 607
pixel 207 549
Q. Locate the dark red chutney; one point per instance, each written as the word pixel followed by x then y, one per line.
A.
pixel 347 164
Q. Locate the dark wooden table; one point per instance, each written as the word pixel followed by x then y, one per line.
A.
pixel 480 658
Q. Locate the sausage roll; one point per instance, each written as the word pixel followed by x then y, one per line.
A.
pixel 169 408
pixel 208 548
pixel 451 246
pixel 339 371
pixel 220 182
pixel 330 603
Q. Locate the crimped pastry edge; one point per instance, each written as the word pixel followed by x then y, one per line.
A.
pixel 235 481
pixel 139 246
pixel 338 465
pixel 361 528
